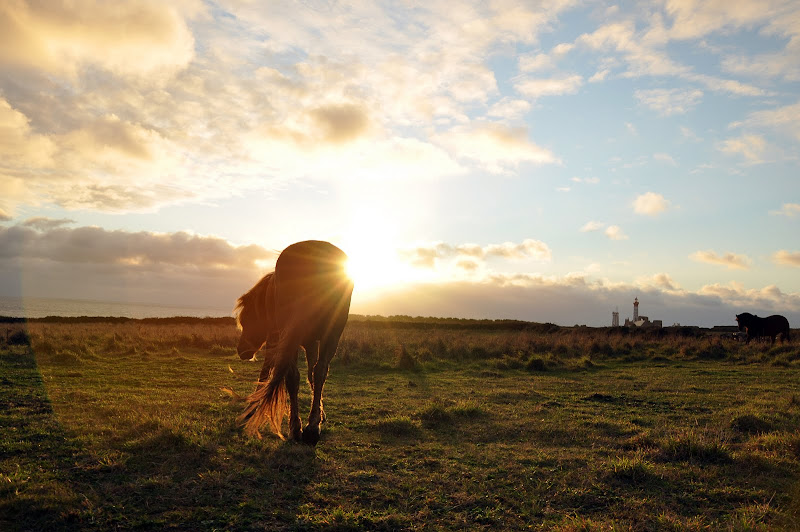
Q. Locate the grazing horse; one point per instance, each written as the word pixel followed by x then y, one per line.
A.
pixel 756 327
pixel 303 303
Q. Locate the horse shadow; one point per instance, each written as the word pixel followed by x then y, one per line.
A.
pixel 148 476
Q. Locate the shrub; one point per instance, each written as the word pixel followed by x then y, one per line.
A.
pixel 536 364
pixel 19 337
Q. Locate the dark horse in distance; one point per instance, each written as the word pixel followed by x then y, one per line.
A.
pixel 756 327
pixel 303 303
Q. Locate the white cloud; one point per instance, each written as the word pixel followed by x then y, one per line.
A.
pixel 496 147
pixel 536 88
pixel 129 38
pixel 730 260
pixel 614 232
pixel 427 255
pixel 534 62
pixel 4 216
pixel 650 204
pixel 788 209
pixel 688 134
pixel 592 226
pixel 665 158
pixel 668 102
pixel 509 109
pixel 692 19
pixel 784 119
pixel 600 75
pixel 751 147
pixel 787 258
pixel 770 298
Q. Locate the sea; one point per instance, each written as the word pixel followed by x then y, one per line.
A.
pixel 39 307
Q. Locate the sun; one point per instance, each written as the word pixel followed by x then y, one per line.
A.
pixel 373 267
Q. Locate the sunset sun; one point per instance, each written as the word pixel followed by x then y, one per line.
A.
pixel 372 267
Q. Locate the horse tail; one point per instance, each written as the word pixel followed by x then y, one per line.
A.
pixel 267 404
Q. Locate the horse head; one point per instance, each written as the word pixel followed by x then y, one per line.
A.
pixel 744 320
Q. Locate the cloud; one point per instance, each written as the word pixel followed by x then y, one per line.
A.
pixel 536 88
pixel 600 75
pixel 4 216
pixel 42 223
pixel 668 102
pixel 751 147
pixel 692 19
pixel 666 158
pixel 44 239
pixel 427 255
pixel 688 134
pixel 129 38
pixel 784 119
pixel 787 258
pixel 510 109
pixel 574 299
pixel 788 209
pixel 614 232
pixel 341 123
pixel 592 226
pixel 650 204
pixel 767 299
pixel 665 282
pixel 730 260
pixel 496 147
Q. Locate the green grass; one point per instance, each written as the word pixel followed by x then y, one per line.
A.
pixel 120 426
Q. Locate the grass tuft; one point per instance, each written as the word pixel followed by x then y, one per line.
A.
pixel 695 447
pixel 397 426
pixel 750 424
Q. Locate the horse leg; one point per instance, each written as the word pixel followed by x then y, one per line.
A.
pixel 292 387
pixel 312 431
pixel 312 356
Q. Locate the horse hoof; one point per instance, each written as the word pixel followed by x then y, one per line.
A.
pixel 311 435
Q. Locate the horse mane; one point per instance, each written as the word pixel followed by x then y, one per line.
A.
pixel 255 293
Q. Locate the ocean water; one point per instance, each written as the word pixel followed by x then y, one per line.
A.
pixel 38 307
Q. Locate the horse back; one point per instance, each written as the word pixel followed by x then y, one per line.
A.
pixel 312 289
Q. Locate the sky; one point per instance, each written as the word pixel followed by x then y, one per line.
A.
pixel 544 161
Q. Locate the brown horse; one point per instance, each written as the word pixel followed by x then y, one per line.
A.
pixel 303 303
pixel 770 326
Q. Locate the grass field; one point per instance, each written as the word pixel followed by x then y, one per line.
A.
pixel 440 426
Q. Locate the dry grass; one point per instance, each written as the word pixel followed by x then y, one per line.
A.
pixel 453 426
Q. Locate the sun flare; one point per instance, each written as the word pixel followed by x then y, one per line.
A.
pixel 372 268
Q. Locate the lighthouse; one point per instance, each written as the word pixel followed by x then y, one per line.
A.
pixel 635 309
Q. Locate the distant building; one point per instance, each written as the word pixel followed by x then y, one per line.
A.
pixel 641 321
pixel 615 319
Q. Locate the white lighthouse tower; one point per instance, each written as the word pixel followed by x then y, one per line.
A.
pixel 635 309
